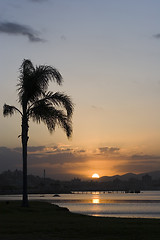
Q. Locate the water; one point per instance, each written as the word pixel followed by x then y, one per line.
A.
pixel 115 204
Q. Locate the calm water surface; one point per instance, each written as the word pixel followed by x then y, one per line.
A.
pixel 115 204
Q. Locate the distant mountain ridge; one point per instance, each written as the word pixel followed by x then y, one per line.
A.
pixel 125 177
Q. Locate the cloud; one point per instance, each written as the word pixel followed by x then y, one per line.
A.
pixel 157 35
pixel 40 154
pixel 19 29
pixel 58 162
pixel 54 159
pixel 9 159
pixel 63 38
pixel 109 149
pixel 138 163
pixel 145 157
pixel 81 151
pixel 137 167
pixel 96 108
pixel 31 149
pixel 43 151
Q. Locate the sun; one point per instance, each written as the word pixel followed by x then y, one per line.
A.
pixel 95 175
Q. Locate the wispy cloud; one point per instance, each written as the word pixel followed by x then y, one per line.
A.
pixel 145 157
pixel 19 29
pixel 31 149
pixel 157 35
pixel 9 159
pixel 138 163
pixel 137 167
pixel 108 149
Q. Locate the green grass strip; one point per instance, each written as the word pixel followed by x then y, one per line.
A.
pixel 44 221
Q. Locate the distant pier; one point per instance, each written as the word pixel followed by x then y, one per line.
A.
pixel 103 192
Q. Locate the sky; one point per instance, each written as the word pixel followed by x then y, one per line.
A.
pixel 108 52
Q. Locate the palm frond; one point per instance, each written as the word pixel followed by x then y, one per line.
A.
pixel 41 112
pixel 10 110
pixel 48 73
pixel 60 99
pixel 26 68
pixel 66 124
pixel 51 117
pixel 33 82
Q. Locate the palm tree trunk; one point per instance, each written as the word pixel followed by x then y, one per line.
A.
pixel 24 155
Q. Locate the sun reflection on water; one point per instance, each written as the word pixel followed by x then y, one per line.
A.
pixel 95 200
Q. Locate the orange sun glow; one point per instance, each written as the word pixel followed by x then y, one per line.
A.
pixel 95 175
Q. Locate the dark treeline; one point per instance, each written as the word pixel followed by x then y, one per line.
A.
pixel 11 183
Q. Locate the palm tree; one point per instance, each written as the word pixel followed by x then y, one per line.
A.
pixel 39 105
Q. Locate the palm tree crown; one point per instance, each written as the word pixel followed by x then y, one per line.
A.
pixel 50 108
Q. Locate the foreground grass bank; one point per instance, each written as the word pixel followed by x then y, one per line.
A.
pixel 43 221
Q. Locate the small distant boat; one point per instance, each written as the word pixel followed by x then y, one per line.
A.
pixel 132 191
pixel 137 191
pixel 56 195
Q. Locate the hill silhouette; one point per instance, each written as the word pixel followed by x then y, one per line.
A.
pixel 125 177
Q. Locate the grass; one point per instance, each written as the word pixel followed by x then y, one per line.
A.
pixel 43 221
